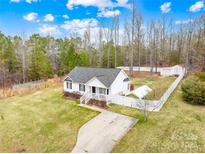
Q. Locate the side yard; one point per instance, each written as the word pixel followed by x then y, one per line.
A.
pixel 178 127
pixel 41 122
pixel 158 84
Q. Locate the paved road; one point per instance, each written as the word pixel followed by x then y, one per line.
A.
pixel 100 134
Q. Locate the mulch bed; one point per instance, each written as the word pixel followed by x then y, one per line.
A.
pixel 72 95
pixel 98 103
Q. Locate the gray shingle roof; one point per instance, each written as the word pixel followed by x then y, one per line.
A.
pixel 84 74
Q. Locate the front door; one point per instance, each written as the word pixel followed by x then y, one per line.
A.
pixel 93 90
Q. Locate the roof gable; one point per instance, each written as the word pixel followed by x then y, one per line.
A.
pixel 95 81
pixel 84 74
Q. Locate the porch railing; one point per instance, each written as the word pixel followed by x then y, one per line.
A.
pixel 84 97
pixel 87 96
pixel 100 97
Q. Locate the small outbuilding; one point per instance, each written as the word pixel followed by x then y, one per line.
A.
pixel 142 91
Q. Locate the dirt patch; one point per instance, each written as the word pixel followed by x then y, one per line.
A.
pixel 19 149
pixel 139 74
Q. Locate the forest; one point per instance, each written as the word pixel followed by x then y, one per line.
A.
pixel 125 41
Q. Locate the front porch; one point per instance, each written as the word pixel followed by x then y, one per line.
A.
pixel 98 91
pixel 95 93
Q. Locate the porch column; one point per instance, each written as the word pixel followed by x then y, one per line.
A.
pixel 97 92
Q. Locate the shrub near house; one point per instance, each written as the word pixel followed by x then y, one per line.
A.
pixel 194 90
pixel 201 76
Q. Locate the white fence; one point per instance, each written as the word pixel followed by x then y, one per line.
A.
pixel 170 90
pixel 164 71
pixel 150 105
pixel 142 69
pixel 175 70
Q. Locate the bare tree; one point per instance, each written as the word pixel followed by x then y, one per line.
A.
pixel 100 46
pixel 116 35
pixel 188 55
pixel 138 36
pixel 132 38
pixel 23 57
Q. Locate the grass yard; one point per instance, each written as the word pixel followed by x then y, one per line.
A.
pixel 178 127
pixel 158 84
pixel 41 122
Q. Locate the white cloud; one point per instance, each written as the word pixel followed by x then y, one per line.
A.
pixel 46 29
pixel 65 16
pixel 15 1
pixel 166 7
pixel 197 6
pixel 108 13
pixel 123 3
pixel 181 22
pixel 79 26
pixel 32 17
pixel 31 1
pixel 100 4
pixel 49 18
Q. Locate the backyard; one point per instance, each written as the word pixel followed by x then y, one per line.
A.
pixel 158 84
pixel 41 122
pixel 178 127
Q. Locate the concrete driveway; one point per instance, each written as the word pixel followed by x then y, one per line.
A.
pixel 100 134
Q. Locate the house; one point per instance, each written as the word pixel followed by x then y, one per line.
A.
pixel 96 83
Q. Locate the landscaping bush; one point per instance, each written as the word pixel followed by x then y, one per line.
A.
pixel 201 76
pixel 194 90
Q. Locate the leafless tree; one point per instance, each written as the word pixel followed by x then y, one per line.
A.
pixel 132 37
pixel 116 35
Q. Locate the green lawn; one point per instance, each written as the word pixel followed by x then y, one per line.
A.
pixel 158 84
pixel 46 122
pixel 178 127
pixel 40 122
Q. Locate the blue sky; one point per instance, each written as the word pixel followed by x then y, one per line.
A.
pixel 61 17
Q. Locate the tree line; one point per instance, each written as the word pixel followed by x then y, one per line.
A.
pixel 135 43
pixel 45 57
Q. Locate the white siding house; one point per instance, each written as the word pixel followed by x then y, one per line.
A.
pixel 97 82
pixel 121 84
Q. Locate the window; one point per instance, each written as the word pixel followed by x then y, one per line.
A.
pixel 69 85
pixel 128 86
pixel 81 87
pixel 102 91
